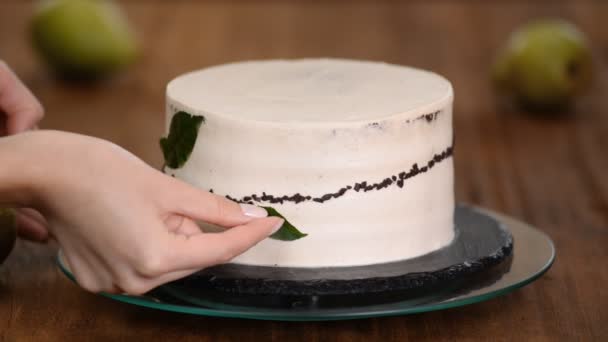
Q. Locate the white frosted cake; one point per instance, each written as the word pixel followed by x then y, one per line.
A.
pixel 358 155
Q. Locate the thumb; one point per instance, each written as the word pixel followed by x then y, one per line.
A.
pixel 21 107
pixel 204 250
pixel 201 205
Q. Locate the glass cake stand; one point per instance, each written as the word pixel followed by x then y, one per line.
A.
pixel 532 256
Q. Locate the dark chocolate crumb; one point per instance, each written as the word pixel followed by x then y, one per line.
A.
pixel 429 117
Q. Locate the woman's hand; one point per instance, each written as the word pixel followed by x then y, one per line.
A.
pixel 20 111
pixel 122 225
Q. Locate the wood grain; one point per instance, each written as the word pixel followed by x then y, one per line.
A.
pixel 550 172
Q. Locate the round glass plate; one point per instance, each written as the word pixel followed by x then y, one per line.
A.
pixel 533 255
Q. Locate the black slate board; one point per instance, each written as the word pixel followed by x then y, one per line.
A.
pixel 481 244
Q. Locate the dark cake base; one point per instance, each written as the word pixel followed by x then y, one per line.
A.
pixel 479 253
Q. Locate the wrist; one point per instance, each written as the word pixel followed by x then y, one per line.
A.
pixel 20 172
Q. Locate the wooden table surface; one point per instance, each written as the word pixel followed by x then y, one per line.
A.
pixel 550 172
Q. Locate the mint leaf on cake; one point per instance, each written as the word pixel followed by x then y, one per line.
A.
pixel 178 145
pixel 287 232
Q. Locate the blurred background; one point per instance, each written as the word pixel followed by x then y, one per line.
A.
pixel 545 163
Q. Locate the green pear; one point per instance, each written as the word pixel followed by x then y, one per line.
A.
pixel 8 232
pixel 83 38
pixel 545 64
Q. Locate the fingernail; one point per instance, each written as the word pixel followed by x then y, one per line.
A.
pixel 277 226
pixel 253 211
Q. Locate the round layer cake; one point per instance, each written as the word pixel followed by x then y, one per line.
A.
pixel 356 154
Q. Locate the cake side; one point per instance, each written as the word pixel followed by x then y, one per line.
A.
pixel 368 191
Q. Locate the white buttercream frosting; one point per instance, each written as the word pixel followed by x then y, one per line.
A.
pixel 313 127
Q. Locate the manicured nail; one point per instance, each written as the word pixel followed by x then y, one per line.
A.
pixel 253 211
pixel 277 226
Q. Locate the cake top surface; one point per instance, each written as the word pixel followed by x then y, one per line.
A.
pixel 310 90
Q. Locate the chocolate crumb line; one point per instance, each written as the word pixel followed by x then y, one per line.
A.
pixel 398 180
pixel 430 117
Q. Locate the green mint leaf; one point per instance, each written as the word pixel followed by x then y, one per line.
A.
pixel 178 145
pixel 287 232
